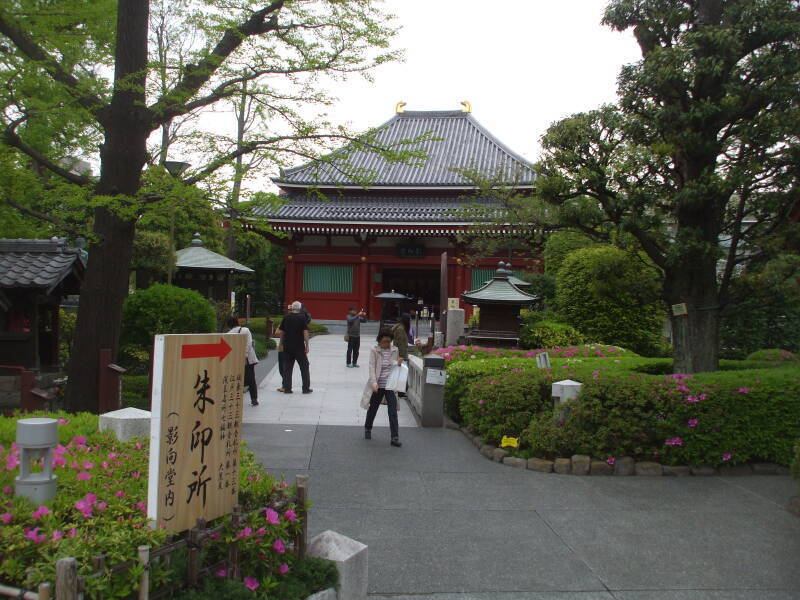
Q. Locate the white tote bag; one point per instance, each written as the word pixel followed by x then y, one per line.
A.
pixel 398 378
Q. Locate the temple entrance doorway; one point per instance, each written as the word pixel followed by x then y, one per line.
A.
pixel 416 284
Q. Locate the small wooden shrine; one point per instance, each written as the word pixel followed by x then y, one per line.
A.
pixel 500 302
pixel 209 273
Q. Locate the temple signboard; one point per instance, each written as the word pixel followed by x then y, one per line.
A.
pixel 196 417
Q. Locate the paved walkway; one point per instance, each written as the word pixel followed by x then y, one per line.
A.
pixel 444 523
pixel 337 391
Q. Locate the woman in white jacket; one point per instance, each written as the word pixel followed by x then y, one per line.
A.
pixel 381 359
pixel 251 359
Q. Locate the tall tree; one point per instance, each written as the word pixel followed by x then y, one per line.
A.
pixel 57 61
pixel 698 162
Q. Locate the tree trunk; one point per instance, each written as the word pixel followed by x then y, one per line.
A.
pixel 695 335
pixel 123 155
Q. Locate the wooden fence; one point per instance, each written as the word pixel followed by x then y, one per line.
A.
pixel 71 586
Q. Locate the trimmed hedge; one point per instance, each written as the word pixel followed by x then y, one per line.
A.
pixel 773 355
pixel 549 334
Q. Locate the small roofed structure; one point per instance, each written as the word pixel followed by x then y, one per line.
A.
pixel 391 307
pixel 205 271
pixel 35 275
pixel 500 302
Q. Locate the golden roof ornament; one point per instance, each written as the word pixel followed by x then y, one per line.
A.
pixel 399 107
pixel 467 106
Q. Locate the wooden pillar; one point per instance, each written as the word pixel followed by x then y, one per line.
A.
pixel 290 295
pixel 363 285
pixel 56 335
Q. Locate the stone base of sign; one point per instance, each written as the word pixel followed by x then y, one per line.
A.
pixel 126 423
pixel 350 558
pixel 455 325
pixel 329 594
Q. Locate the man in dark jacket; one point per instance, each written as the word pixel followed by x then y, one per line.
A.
pixel 354 321
pixel 294 345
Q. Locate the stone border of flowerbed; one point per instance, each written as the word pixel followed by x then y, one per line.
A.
pixel 581 464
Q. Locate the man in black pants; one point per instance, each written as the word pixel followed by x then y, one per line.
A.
pixel 354 321
pixel 294 345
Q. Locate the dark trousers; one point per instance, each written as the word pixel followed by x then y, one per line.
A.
pixel 353 345
pixel 250 381
pixel 281 360
pixel 289 358
pixel 375 403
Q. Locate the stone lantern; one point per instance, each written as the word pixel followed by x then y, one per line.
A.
pixel 36 439
pixel 564 390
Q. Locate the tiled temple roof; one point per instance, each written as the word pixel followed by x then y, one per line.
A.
pixel 37 263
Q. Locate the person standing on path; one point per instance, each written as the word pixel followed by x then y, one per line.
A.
pixel 251 359
pixel 294 345
pixel 381 359
pixel 400 333
pixel 354 321
pixel 281 353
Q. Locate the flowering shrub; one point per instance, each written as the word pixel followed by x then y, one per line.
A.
pixel 711 418
pixel 456 353
pixel 773 355
pixel 504 403
pixel 549 334
pixel 101 507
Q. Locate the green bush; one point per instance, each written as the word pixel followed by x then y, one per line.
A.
pixel 504 403
pixel 561 244
pixel 612 297
pixel 136 391
pixel 725 417
pixel 164 309
pixel 773 355
pixel 549 334
pixel 66 332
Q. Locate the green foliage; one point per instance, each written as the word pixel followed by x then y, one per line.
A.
pixel 164 309
pixel 265 286
pixel 536 333
pixel 66 332
pixel 152 257
pixel 773 355
pixel 542 285
pixel 611 296
pixel 504 403
pixel 136 391
pixel 558 246
pixel 713 418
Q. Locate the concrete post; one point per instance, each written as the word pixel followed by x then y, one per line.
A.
pixel 455 325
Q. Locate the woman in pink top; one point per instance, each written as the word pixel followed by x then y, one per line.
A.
pixel 381 359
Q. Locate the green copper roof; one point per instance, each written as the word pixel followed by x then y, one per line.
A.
pixel 198 257
pixel 499 290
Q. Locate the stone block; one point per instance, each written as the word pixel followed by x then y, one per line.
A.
pixel 455 325
pixel 448 424
pixel 601 467
pixel 625 465
pixel 478 441
pixel 736 470
pixel 329 594
pixel 498 454
pixel 467 433
pixel 562 466
pixel 542 465
pixel 513 461
pixel 350 558
pixel 651 469
pixel 488 450
pixel 677 471
pixel 126 423
pixel 703 471
pixel 581 464
pixel 765 468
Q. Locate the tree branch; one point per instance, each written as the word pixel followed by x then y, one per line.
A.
pixel 26 44
pixel 44 217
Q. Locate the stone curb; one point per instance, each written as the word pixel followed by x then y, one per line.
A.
pixel 623 466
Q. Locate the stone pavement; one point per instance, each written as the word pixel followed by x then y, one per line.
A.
pixel 337 390
pixel 444 523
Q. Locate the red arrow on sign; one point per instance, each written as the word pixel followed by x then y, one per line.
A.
pixel 221 349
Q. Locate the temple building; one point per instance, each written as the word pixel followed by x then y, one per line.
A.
pixel 347 242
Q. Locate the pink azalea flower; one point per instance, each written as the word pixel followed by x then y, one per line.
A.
pixel 743 390
pixel 245 533
pixel 260 531
pixel 136 475
pixel 272 517
pixel 676 441
pixel 63 421
pixel 283 569
pixel 141 506
pixel 138 446
pixel 40 512
pixel 611 460
pixel 221 572
pixel 480 401
pixel 727 456
pixel 6 518
pixel 75 465
pixel 702 396
pixel 59 461
pixel 34 535
pixel 88 465
pixel 692 423
pixel 79 440
pixel 692 399
pixel 251 583
pixel 8 490
pixel 57 535
pixel 111 456
pixel 290 515
pixel 12 462
pixel 279 546
pixel 119 494
pixel 83 476
pixel 102 505
pixel 73 532
pixel 682 388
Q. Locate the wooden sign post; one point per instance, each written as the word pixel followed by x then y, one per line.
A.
pixel 196 418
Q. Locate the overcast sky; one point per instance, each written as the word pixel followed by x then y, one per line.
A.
pixel 523 64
